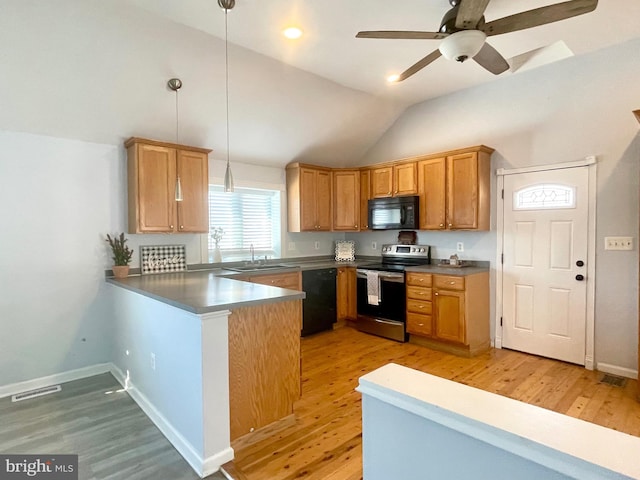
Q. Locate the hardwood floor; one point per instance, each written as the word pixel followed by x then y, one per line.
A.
pixel 113 438
pixel 323 441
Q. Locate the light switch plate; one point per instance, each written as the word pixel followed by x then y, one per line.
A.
pixel 618 243
pixel 460 247
pixel 292 246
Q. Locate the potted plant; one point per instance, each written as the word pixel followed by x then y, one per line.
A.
pixel 217 234
pixel 121 255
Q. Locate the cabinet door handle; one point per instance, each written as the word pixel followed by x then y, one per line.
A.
pixel 421 324
pixel 355 226
pixel 436 294
pixel 452 283
pixel 442 224
pixel 451 225
pixel 181 227
pixel 171 227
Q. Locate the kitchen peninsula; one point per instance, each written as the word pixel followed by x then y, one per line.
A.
pixel 207 358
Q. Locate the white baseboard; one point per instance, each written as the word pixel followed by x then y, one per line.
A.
pixel 202 466
pixel 63 377
pixel 616 370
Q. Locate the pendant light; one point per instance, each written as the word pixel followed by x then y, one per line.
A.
pixel 175 84
pixel 227 5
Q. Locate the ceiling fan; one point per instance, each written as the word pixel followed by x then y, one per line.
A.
pixel 463 32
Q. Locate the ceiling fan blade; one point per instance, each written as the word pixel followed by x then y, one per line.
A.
pixel 419 65
pixel 489 58
pixel 539 16
pixel 470 12
pixel 402 35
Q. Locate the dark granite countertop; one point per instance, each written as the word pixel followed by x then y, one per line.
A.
pixel 204 291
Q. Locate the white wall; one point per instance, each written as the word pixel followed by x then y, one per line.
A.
pixel 57 200
pixel 558 113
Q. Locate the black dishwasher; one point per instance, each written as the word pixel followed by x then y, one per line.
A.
pixel 319 307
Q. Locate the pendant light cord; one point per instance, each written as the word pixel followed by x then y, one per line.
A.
pixel 177 116
pixel 226 71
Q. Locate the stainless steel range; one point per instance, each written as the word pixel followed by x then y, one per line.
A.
pixel 382 292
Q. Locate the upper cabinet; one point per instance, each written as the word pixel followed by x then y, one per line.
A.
pixel 308 198
pixel 454 190
pixel 155 169
pixel 346 200
pixel 365 195
pixel 394 180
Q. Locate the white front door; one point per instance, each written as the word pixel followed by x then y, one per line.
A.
pixel 545 239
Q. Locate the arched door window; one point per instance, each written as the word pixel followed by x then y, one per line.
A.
pixel 544 196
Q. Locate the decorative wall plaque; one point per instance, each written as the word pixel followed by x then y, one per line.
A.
pixel 163 258
pixel 345 251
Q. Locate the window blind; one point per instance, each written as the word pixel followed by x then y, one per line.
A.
pixel 247 216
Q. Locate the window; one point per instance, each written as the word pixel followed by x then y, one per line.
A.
pixel 544 196
pixel 248 216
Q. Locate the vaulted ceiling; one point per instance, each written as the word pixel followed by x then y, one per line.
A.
pixel 329 48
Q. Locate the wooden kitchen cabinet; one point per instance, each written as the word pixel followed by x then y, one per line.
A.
pixel 449 312
pixel 365 189
pixel 454 190
pixel 309 198
pixel 346 289
pixel 419 305
pixel 346 200
pixel 394 180
pixel 153 170
pixel 290 280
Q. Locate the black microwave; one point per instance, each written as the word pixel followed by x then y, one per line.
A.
pixel 394 213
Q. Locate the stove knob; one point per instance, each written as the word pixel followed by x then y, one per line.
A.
pixel 422 250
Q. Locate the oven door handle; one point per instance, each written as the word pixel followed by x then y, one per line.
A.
pixel 383 276
pixel 387 322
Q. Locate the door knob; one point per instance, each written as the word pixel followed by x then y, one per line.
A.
pixel 580 277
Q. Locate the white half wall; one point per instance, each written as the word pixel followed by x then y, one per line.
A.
pixel 175 365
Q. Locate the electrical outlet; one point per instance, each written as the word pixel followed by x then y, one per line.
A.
pixel 460 247
pixel 618 243
pixel 292 246
pixel 153 361
pixel 317 245
pixel 374 245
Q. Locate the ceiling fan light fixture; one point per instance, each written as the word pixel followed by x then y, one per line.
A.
pixel 462 45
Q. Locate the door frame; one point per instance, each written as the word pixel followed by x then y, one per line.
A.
pixel 590 162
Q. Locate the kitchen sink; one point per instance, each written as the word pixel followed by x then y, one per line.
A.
pixel 257 267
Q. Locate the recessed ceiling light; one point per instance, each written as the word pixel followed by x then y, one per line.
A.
pixel 292 32
pixel 393 78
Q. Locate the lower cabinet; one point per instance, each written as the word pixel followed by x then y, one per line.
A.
pixel 290 280
pixel 449 312
pixel 346 287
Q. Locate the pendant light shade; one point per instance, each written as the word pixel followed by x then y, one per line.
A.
pixel 228 179
pixel 178 190
pixel 227 5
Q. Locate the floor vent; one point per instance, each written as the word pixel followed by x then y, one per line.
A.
pixel 38 392
pixel 613 380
